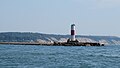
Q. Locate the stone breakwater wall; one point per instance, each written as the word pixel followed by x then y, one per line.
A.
pixel 54 44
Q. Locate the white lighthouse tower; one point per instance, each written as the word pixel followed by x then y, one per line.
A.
pixel 73 32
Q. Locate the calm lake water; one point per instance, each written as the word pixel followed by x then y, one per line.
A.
pixel 28 56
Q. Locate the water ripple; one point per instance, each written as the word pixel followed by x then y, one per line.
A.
pixel 13 56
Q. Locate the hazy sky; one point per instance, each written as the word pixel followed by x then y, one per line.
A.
pixel 92 17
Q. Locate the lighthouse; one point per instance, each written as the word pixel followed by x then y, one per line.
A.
pixel 73 32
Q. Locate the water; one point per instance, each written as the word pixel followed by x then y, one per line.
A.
pixel 27 56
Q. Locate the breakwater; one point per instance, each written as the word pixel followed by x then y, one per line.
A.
pixel 55 43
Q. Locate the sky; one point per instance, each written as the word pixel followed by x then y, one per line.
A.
pixel 91 17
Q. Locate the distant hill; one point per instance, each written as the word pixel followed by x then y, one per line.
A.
pixel 39 37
